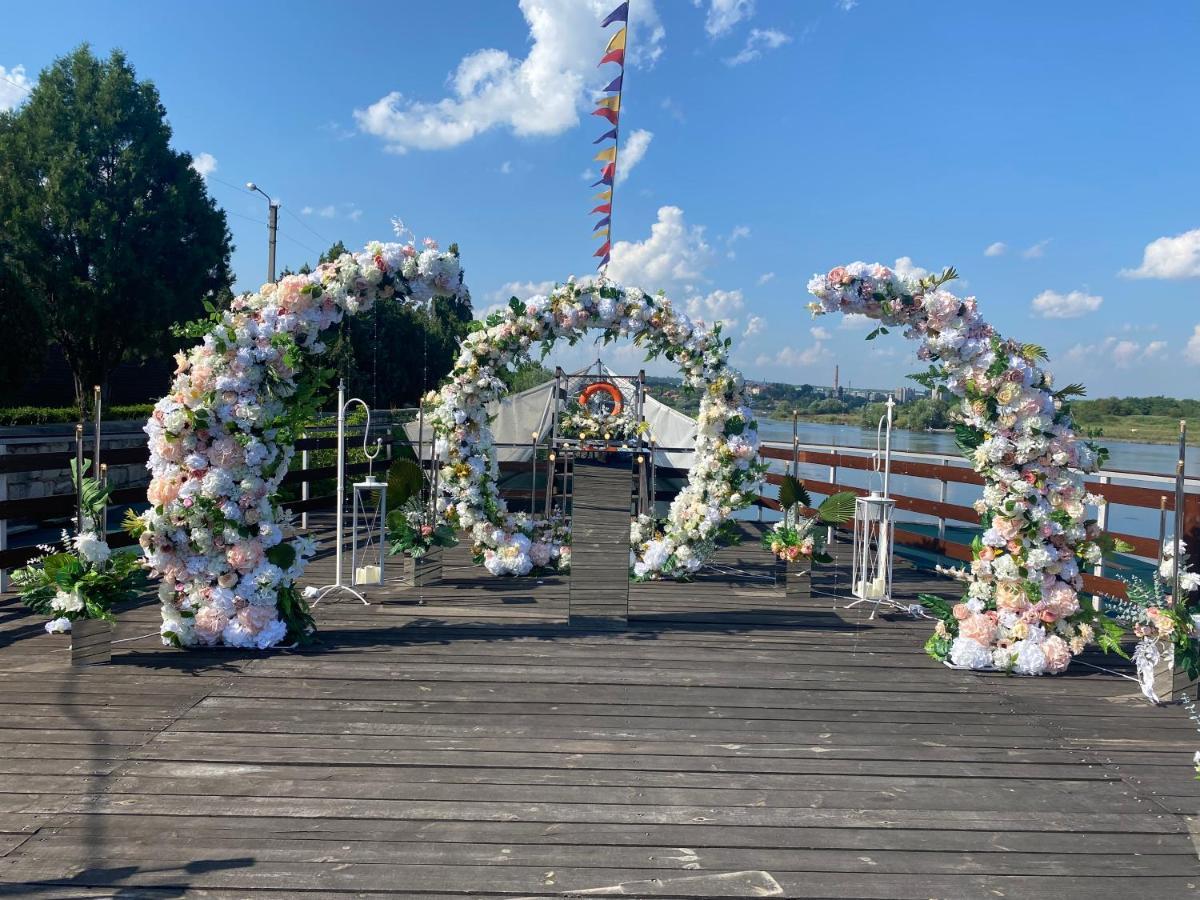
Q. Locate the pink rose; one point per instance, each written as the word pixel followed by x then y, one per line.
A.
pixel 209 624
pixel 245 557
pixel 1058 653
pixel 961 612
pixel 838 275
pixel 980 627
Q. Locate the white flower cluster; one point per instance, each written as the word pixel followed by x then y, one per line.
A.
pixel 726 446
pixel 1021 612
pixel 220 443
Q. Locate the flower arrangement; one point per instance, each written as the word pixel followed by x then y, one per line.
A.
pixel 1021 609
pixel 1167 627
pixel 725 465
pixel 583 423
pixel 797 537
pixel 81 578
pixel 222 439
pixel 414 530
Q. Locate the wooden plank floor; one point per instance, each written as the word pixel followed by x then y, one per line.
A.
pixel 728 744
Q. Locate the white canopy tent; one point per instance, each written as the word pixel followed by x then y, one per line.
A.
pixel 517 417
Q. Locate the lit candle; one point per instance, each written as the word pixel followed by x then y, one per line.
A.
pixel 366 575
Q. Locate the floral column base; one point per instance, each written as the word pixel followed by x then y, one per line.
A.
pixel 796 579
pixel 91 642
pixel 424 571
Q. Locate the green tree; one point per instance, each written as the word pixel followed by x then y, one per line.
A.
pixel 393 354
pixel 112 232
pixel 22 329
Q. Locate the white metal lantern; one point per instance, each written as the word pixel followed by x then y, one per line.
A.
pixel 368 535
pixel 871 571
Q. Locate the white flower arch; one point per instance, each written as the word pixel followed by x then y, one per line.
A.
pixel 222 439
pixel 726 444
pixel 1021 611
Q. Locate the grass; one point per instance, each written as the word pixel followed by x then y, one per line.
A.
pixel 1143 429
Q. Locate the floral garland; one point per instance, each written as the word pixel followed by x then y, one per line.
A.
pixel 726 442
pixel 1021 611
pixel 580 422
pixel 221 442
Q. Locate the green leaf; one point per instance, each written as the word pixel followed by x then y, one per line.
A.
pixel 967 438
pixel 282 555
pixel 404 480
pixel 793 492
pixel 837 508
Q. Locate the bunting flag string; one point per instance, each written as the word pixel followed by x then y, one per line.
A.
pixel 609 108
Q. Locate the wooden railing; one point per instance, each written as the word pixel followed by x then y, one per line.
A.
pixel 1154 492
pixel 945 472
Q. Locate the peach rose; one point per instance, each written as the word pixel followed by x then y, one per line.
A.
pixel 163 490
pixel 1058 653
pixel 980 627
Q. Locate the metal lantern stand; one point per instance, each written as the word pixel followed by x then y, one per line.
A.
pixel 874 532
pixel 871 572
pixel 338 585
pixel 366 562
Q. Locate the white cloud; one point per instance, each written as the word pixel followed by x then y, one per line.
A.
pixel 539 95
pixel 673 109
pixel 204 164
pixel 1170 257
pixel 724 14
pixel 14 87
pixel 738 233
pixel 717 306
pixel 755 325
pixel 819 333
pixel 354 215
pixel 674 255
pixel 1192 352
pixel 856 322
pixel 765 277
pixel 757 41
pixel 905 269
pixel 792 358
pixel 999 248
pixel 327 212
pixel 1053 305
pixel 632 152
pixel 1123 353
pixel 522 290
pixel 306 211
pixel 506 167
pixel 1037 251
pixel 846 5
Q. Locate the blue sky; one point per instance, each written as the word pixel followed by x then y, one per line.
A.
pixel 780 138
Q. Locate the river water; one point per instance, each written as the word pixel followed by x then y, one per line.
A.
pixel 1159 459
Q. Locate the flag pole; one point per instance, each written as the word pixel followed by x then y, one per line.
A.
pixel 612 200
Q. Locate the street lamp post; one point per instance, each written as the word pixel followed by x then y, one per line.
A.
pixel 272 228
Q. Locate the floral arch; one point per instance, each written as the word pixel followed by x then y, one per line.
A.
pixel 222 439
pixel 1021 610
pixel 726 443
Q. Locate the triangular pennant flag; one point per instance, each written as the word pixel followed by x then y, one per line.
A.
pixel 603 195
pixel 609 171
pixel 600 232
pixel 620 14
pixel 603 222
pixel 604 179
pixel 617 56
pixel 617 42
pixel 603 262
pixel 615 84
pixel 610 135
pixel 602 208
pixel 603 251
pixel 607 114
pixel 608 155
pixel 613 103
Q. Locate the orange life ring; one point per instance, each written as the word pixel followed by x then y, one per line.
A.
pixel 598 387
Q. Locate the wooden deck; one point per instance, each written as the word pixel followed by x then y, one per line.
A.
pixel 727 744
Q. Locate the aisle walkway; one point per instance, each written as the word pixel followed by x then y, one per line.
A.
pixel 729 744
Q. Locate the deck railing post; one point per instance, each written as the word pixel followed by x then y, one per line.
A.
pixel 4 586
pixel 942 499
pixel 1102 523
pixel 833 476
pixel 304 488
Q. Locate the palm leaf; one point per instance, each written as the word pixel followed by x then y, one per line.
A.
pixel 837 508
pixel 793 492
pixel 404 481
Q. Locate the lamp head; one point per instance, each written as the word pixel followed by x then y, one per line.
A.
pixel 251 186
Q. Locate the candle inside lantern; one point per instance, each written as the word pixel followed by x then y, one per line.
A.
pixel 366 575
